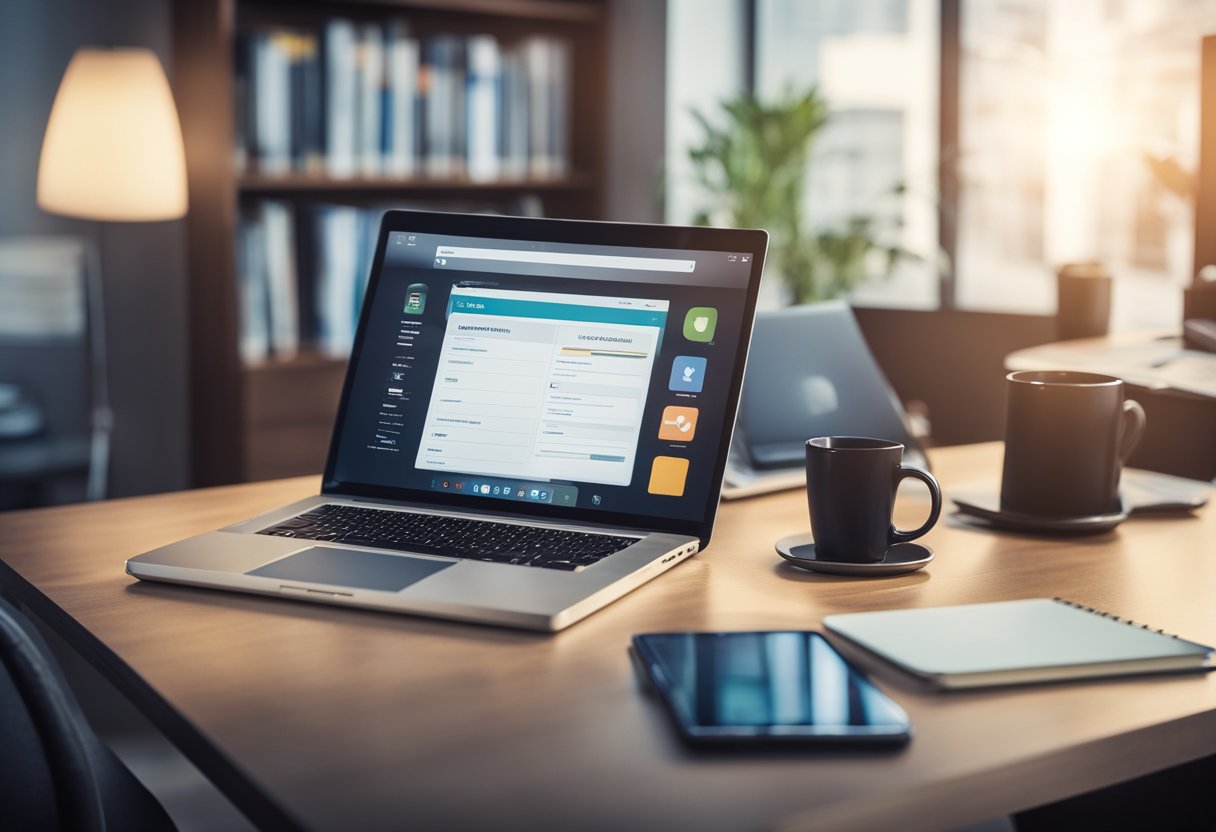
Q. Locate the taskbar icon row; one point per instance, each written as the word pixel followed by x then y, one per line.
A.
pixel 506 489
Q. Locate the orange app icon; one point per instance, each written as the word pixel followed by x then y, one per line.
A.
pixel 679 424
pixel 667 476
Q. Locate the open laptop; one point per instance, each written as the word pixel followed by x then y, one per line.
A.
pixel 535 420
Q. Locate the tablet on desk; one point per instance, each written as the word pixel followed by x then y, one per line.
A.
pixel 766 687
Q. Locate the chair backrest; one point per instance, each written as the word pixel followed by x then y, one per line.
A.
pixel 54 772
pixel 810 373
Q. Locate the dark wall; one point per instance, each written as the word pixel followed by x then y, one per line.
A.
pixel 952 361
pixel 143 263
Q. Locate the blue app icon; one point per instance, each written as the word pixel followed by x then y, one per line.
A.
pixel 687 374
pixel 544 495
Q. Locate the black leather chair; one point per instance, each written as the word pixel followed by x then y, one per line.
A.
pixel 54 771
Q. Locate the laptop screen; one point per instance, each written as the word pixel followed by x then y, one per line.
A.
pixel 525 373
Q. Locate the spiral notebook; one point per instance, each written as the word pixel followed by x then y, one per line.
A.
pixel 1016 642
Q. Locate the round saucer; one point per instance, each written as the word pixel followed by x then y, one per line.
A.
pixel 985 504
pixel 799 550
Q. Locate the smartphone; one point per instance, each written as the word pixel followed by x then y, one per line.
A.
pixel 766 688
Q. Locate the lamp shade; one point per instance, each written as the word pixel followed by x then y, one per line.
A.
pixel 113 144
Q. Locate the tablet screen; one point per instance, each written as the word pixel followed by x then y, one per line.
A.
pixel 766 686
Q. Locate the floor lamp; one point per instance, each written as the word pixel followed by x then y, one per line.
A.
pixel 112 152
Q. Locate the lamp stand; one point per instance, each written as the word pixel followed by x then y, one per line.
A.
pixel 101 416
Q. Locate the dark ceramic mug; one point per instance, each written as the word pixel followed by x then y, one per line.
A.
pixel 1067 435
pixel 850 488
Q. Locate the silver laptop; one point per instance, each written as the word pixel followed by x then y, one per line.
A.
pixel 535 420
pixel 810 373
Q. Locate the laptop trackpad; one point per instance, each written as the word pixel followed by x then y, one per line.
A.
pixel 351 568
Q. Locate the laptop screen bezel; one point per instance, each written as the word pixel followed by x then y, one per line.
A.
pixel 557 231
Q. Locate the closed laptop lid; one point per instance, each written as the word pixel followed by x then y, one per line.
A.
pixel 812 374
pixel 548 368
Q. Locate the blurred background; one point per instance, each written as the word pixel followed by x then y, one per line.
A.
pixel 933 161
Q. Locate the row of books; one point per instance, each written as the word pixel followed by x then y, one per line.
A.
pixel 301 277
pixel 302 271
pixel 371 99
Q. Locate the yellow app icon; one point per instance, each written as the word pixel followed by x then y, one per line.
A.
pixel 667 476
pixel 679 424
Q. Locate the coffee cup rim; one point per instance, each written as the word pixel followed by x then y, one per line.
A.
pixel 1067 378
pixel 864 443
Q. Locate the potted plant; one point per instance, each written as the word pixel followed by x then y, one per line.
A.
pixel 753 163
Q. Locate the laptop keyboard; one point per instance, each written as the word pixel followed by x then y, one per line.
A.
pixel 453 537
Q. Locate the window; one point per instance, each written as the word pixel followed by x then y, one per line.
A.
pixel 1077 123
pixel 875 63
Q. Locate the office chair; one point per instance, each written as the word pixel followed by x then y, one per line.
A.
pixel 54 772
pixel 810 373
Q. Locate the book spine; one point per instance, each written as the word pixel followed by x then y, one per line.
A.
pixel 340 111
pixel 484 85
pixel 272 82
pixel 438 51
pixel 403 91
pixel 537 67
pixel 337 247
pixel 253 300
pixel 243 102
pixel 515 116
pixel 312 120
pixel 559 121
pixel 457 107
pixel 281 278
pixel 371 84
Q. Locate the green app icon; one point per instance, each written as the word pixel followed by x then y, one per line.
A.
pixel 415 299
pixel 700 323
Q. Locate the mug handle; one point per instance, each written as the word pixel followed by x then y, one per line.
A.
pixel 1132 428
pixel 935 493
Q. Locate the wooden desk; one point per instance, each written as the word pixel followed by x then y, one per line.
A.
pixel 342 719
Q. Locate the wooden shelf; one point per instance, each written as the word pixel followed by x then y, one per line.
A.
pixel 274 418
pixel 273 185
pixel 304 360
pixel 531 11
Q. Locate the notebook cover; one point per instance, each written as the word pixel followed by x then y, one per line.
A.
pixel 1010 642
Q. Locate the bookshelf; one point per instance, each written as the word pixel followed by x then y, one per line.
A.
pixel 258 416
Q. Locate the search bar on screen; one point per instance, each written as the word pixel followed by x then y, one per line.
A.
pixel 553 258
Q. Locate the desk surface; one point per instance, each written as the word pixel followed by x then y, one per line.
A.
pixel 345 719
pixel 1149 360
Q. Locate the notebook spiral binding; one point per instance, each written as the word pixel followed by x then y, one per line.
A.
pixel 1113 617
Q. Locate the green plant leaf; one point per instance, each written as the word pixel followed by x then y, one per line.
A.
pixel 752 162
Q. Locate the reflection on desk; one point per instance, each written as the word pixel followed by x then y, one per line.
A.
pixel 324 718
